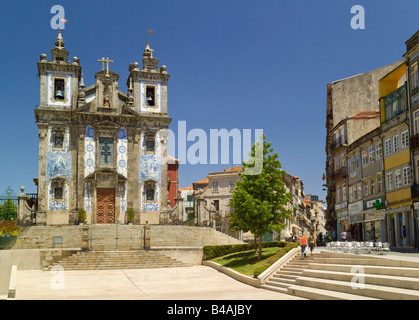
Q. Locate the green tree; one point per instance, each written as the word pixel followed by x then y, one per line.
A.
pixel 8 210
pixel 260 201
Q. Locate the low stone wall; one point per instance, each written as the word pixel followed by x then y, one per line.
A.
pixel 187 255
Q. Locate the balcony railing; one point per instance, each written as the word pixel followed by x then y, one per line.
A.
pixel 342 140
pixel 339 173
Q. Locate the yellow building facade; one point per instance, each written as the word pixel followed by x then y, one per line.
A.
pixel 395 135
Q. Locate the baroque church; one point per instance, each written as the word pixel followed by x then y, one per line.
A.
pixel 101 149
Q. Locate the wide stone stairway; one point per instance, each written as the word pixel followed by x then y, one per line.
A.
pixel 113 260
pixel 343 276
pixel 121 237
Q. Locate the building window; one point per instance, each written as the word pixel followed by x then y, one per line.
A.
pixel 217 205
pixel 214 186
pixel 150 143
pixel 372 186
pixel 350 194
pixel 378 151
pixel 397 179
pixel 57 190
pixel 407 176
pixel 59 92
pixel 150 191
pixel 416 122
pixel 389 181
pixel 366 188
pixel 379 183
pixel 396 143
pixel 106 151
pixel 359 187
pixel 232 185
pixel 57 140
pixel 387 147
pixel 358 161
pixel 364 157
pixel 371 154
pixel 405 139
pixel 150 96
pixel 415 78
pixel 344 192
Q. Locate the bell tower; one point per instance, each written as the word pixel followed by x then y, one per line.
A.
pixel 149 84
pixel 59 78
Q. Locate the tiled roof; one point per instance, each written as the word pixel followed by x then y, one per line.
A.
pixel 187 188
pixel 365 115
pixel 234 169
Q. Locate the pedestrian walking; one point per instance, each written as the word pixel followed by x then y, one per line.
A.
pixel 311 242
pixel 343 235
pixel 303 244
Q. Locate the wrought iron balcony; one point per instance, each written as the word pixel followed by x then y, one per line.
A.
pixel 342 140
pixel 339 173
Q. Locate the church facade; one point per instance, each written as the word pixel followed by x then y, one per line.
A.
pixel 101 149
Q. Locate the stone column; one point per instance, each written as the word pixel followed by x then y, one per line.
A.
pixel 85 238
pixel 146 236
pixel 179 211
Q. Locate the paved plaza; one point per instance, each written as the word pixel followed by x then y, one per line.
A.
pixel 181 283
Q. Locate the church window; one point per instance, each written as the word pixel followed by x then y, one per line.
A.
pixel 58 140
pixel 150 190
pixel 58 190
pixel 150 144
pixel 106 151
pixel 150 96
pixel 59 92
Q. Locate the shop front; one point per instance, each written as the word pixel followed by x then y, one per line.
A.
pixel 374 220
pixel 342 220
pixel 400 226
pixel 355 213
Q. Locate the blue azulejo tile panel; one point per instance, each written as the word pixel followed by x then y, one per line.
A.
pixel 89 152
pixel 58 165
pixel 122 152
pixel 124 198
pixel 150 170
pixel 87 199
pixel 58 205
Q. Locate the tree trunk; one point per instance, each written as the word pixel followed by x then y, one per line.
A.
pixel 256 244
pixel 260 248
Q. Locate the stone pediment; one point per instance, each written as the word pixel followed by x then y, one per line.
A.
pixel 102 74
pixel 107 123
pixel 106 174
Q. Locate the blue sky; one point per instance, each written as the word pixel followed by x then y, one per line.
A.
pixel 233 63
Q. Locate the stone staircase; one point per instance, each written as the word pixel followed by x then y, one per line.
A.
pixel 121 237
pixel 114 260
pixel 341 276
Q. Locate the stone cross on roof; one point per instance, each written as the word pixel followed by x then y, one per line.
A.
pixel 107 61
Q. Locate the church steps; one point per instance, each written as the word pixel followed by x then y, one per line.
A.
pixel 321 294
pixel 332 276
pixel 99 260
pixel 381 280
pixel 378 270
pixel 368 290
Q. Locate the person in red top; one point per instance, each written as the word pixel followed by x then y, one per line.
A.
pixel 303 243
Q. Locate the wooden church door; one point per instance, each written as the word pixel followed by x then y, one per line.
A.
pixel 105 207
